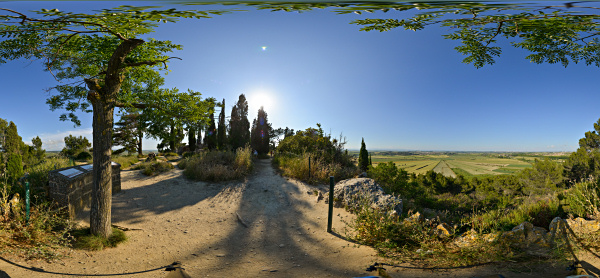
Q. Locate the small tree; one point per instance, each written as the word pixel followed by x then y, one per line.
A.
pixel 363 157
pixel 75 145
pixel 128 133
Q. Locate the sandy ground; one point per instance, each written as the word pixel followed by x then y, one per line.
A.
pixel 282 233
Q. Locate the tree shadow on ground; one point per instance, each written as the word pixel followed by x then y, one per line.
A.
pixel 156 195
pixel 275 233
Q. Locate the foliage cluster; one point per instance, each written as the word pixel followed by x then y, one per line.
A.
pixel 327 156
pixel 75 146
pixel 218 165
pixel 153 168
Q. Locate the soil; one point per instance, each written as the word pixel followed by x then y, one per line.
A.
pixel 264 226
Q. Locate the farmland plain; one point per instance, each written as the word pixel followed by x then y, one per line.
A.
pixel 464 163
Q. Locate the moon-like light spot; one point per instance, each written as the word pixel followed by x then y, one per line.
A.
pixel 264 48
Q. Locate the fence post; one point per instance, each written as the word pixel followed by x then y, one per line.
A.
pixel 27 202
pixel 330 216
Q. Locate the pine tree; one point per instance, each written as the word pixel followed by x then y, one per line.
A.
pixel 363 157
pixel 260 134
pixel 239 126
pixel 128 133
pixel 221 130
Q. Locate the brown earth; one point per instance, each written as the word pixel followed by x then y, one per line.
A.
pixel 265 226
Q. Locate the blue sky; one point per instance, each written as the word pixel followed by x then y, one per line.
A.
pixel 397 89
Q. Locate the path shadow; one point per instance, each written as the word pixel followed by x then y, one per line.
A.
pixel 172 193
pixel 279 234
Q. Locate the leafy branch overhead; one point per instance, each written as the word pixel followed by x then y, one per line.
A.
pixel 552 34
pixel 76 47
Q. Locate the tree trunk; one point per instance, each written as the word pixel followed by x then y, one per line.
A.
pixel 172 139
pixel 100 211
pixel 192 139
pixel 139 145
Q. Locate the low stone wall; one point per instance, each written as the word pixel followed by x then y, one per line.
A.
pixel 72 186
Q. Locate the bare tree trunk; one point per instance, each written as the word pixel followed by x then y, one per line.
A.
pixel 139 146
pixel 100 211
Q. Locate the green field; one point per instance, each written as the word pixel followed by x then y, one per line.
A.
pixel 463 163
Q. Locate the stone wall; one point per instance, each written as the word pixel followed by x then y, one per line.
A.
pixel 72 186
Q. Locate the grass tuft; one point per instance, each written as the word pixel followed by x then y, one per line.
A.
pixel 86 241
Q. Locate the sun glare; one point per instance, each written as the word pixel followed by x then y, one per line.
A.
pixel 261 98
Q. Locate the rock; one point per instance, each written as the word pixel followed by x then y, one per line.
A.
pixel 151 157
pixel 533 240
pixel 353 192
pixel 319 196
pixel 582 226
pixel 443 230
pixel 414 219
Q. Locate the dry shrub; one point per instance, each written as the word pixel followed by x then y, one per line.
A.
pixel 218 166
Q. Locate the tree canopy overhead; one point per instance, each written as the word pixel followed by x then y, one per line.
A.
pixel 101 63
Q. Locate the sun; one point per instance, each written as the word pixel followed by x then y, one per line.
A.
pixel 261 98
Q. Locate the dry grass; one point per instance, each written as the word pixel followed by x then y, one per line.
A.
pixel 218 166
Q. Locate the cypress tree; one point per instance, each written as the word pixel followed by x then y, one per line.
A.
pixel 210 139
pixel 239 126
pixel 221 130
pixel 260 134
pixel 363 157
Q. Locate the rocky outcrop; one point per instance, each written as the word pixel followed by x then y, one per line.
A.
pixel 353 193
pixel 535 241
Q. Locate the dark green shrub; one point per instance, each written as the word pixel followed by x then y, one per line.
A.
pixel 84 155
pixel 14 167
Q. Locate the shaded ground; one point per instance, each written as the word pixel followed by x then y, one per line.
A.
pixel 280 232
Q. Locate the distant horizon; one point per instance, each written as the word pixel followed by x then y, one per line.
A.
pixel 402 150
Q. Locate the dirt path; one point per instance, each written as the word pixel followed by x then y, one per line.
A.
pixel 282 233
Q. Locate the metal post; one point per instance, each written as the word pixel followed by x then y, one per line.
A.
pixel 27 202
pixel 330 216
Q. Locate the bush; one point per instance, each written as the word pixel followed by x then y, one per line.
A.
pixel 154 167
pixel 14 167
pixel 583 199
pixel 47 229
pixel 218 166
pixel 320 171
pixel 84 155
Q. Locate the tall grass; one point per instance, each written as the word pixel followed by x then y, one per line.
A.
pixel 583 199
pixel 126 161
pixel 218 166
pixel 297 166
pixel 48 226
